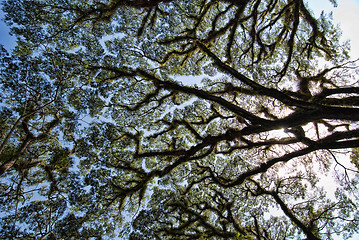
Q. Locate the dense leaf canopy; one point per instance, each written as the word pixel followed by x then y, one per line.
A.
pixel 174 119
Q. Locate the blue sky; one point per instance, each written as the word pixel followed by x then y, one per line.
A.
pixel 5 39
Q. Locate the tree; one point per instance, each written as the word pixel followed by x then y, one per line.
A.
pixel 237 154
pixel 34 157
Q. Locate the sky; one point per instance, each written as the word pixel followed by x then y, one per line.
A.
pixel 346 15
pixel 5 39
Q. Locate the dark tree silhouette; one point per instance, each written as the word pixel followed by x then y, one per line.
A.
pixel 178 120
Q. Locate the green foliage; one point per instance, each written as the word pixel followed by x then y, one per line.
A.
pixel 355 157
pixel 7 155
pixel 163 119
pixel 60 159
pixel 240 236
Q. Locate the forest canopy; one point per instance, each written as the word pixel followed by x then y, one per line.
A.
pixel 177 119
